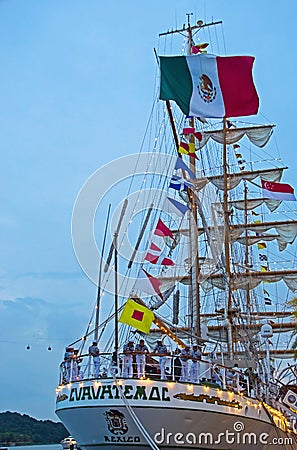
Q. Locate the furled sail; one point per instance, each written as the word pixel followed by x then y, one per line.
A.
pixel 251 240
pixel 241 280
pixel 250 280
pixel 287 231
pixel 253 203
pixel 259 135
pixel 233 179
pixel 246 204
pixel 219 332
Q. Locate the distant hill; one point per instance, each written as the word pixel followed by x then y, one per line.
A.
pixel 24 430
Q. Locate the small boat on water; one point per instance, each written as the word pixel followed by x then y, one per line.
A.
pixel 69 443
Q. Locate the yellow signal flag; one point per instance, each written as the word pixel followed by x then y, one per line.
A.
pixel 187 148
pixel 261 245
pixel 138 316
pixel 192 148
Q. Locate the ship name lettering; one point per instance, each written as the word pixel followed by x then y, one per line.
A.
pixel 126 392
pixel 121 438
pixel 155 394
pixel 77 397
pixel 140 392
pixel 117 394
pixel 86 393
pixel 106 390
pixel 112 392
pixel 95 394
pixel 165 397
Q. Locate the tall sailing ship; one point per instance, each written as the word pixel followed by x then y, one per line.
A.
pixel 211 267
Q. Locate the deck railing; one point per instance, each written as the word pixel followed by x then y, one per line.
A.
pixel 83 368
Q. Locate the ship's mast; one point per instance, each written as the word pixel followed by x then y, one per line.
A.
pixel 200 25
pixel 195 269
pixel 246 260
pixel 97 315
pixel 194 304
pixel 229 303
pixel 114 251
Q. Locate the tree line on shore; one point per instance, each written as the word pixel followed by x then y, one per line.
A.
pixel 21 429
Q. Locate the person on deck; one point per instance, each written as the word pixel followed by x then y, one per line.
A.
pixel 141 350
pixel 74 364
pixel 161 350
pixel 128 359
pixel 177 365
pixel 236 377
pixel 195 366
pixel 217 376
pixel 206 367
pixel 68 361
pixel 251 381
pixel 80 375
pixel 185 357
pixel 94 352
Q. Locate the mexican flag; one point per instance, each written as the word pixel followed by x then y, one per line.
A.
pixel 210 86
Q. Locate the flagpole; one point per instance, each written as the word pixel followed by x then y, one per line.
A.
pixel 114 248
pixel 100 277
pixel 228 307
pixel 125 204
pixel 141 234
pixel 116 298
pixel 195 268
pixel 246 261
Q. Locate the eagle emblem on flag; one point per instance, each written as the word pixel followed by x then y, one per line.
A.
pixel 206 89
pixel 116 421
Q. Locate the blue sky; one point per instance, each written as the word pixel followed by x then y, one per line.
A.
pixel 76 89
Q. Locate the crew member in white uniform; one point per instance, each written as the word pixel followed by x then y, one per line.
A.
pixel 236 377
pixel 94 352
pixel 128 360
pixel 184 358
pixel 195 366
pixel 161 350
pixel 68 362
pixel 141 351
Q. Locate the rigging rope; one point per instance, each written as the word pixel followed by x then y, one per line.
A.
pixel 134 417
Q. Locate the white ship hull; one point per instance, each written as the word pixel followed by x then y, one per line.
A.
pixel 176 415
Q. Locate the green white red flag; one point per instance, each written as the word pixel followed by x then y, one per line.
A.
pixel 210 86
